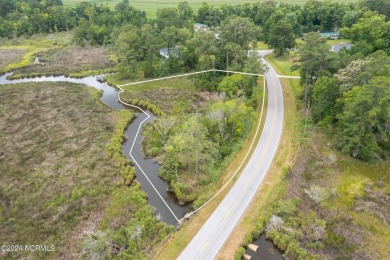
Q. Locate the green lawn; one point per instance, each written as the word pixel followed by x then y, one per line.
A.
pixel 283 64
pixel 330 42
pixel 262 46
pixel 150 6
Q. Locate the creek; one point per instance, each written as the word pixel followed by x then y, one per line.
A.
pixel 266 250
pixel 149 167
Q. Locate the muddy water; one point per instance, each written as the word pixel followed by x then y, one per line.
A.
pixel 150 169
pixel 265 251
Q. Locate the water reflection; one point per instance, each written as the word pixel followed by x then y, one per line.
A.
pixel 264 250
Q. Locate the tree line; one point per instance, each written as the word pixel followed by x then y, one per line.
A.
pixel 348 94
pixel 26 17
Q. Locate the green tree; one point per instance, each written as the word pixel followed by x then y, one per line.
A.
pixel 128 47
pixel 233 85
pixel 206 48
pixel 281 37
pixel 315 58
pixel 151 43
pixel 325 93
pixel 253 64
pixel 370 34
pixel 169 36
pixel 208 15
pixel 238 35
pixel 191 146
pixel 363 127
pixel 379 6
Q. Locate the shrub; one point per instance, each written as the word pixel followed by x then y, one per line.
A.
pixel 275 223
pixel 317 194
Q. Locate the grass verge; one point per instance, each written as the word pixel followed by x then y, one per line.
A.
pixel 283 64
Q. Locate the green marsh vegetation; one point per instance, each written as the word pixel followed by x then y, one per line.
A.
pixel 64 180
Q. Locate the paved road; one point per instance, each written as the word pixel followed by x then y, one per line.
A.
pixel 211 237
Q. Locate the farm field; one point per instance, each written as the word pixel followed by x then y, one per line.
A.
pixel 150 6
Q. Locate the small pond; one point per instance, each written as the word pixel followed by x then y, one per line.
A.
pixel 266 250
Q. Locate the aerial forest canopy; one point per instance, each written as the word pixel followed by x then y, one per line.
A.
pixel 27 17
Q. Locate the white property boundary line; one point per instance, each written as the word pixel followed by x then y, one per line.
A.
pixel 288 77
pixel 170 77
pixel 148 116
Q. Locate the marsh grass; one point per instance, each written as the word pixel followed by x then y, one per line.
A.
pixel 72 61
pixel 30 47
pixel 62 170
pixel 54 171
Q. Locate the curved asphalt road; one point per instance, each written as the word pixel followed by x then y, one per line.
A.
pixel 211 237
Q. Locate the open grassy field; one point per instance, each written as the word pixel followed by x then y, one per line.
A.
pixel 150 6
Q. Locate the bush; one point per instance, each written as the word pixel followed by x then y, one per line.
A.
pixel 184 192
pixel 284 208
pixel 317 194
pixel 275 223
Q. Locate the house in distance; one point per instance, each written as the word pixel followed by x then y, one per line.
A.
pixel 200 27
